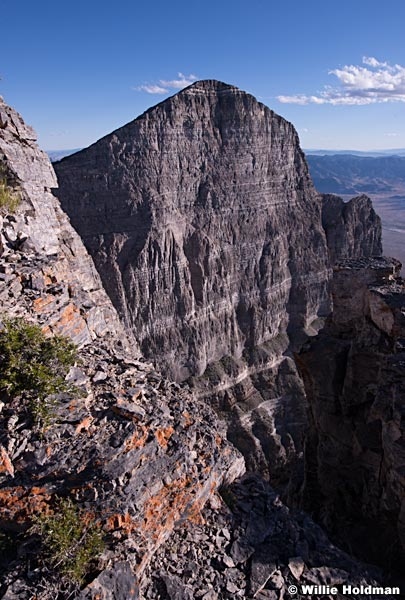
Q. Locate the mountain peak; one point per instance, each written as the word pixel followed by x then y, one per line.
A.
pixel 211 85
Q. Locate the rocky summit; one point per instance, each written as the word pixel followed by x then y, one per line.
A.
pixel 239 360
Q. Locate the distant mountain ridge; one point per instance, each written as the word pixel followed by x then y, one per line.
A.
pixel 371 153
pixel 350 174
pixel 55 155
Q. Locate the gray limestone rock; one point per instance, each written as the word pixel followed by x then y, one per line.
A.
pixel 206 231
pixel 139 452
pixel 354 374
pixel 353 229
pixel 204 225
pixel 275 562
pixel 210 239
pixel 50 274
pixel 117 583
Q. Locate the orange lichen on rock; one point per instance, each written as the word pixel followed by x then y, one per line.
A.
pixel 19 504
pixel 85 424
pixel 120 521
pixel 219 441
pixel 137 440
pixel 40 304
pixel 188 420
pixel 73 405
pixel 194 513
pixel 70 321
pixel 173 502
pixel 6 466
pixel 163 436
pixel 49 279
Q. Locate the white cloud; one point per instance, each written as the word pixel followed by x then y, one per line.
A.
pixel 180 83
pixel 373 62
pixel 151 89
pixel 165 86
pixel 392 134
pixel 375 83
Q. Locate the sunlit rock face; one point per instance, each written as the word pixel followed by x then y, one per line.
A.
pixel 204 225
pixel 44 266
pixel 207 232
pixel 130 449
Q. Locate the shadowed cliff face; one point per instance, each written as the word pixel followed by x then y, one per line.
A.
pixel 130 449
pixel 353 229
pixel 354 373
pixel 204 225
pixel 141 455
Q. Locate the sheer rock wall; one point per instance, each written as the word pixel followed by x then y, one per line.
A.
pixel 204 225
pixel 353 229
pixel 354 374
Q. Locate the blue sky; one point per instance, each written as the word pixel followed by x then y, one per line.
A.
pixel 336 69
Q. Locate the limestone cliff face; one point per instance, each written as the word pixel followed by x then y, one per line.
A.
pixel 354 373
pixel 206 230
pixel 204 225
pixel 43 262
pixel 353 229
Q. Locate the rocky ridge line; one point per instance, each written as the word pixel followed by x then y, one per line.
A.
pixel 141 453
pixel 205 226
pixel 353 229
pixel 45 269
pixel 206 229
pixel 202 219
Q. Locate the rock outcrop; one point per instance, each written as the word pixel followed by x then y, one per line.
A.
pixel 135 452
pixel 353 229
pixel 44 268
pixel 354 373
pixel 258 549
pixel 233 271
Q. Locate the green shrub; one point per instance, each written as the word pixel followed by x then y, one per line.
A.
pixel 9 200
pixel 34 366
pixel 71 540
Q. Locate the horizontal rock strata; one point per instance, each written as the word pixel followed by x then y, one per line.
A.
pixel 137 453
pixel 206 230
pixel 204 225
pixel 134 452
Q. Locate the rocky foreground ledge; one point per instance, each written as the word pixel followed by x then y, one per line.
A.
pixel 137 453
